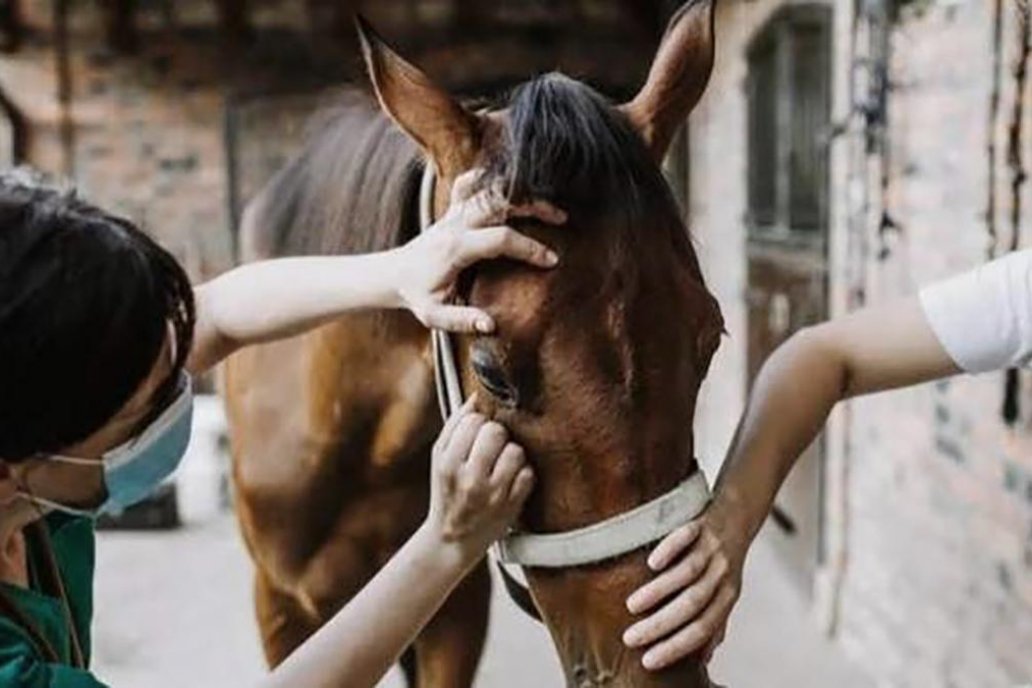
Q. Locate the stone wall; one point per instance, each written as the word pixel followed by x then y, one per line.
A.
pixel 927 580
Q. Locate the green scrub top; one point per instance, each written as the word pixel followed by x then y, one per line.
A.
pixel 22 663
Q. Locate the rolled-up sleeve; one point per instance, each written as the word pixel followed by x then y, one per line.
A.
pixel 983 318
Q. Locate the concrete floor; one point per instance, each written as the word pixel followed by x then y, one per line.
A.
pixel 174 610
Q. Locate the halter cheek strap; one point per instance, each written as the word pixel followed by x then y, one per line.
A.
pixel 446 373
pixel 607 539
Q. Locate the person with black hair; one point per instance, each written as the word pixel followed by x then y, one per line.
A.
pixel 100 334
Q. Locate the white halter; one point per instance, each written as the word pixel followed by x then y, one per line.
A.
pixel 613 537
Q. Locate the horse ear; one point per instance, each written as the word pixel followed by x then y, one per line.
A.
pixel 678 76
pixel 446 131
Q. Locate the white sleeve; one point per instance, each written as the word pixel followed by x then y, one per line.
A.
pixel 983 318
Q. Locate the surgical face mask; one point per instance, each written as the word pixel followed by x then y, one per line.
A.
pixel 134 470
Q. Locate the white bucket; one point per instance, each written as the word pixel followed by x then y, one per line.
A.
pixel 203 477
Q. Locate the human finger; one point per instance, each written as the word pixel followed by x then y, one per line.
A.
pixel 687 571
pixel 487 448
pixel 464 185
pixel 714 643
pixel 521 486
pixel 461 319
pixel 444 437
pixel 463 438
pixel 539 210
pixel 681 610
pixel 693 636
pixel 674 544
pixel 508 466
pixel 502 241
pixel 484 208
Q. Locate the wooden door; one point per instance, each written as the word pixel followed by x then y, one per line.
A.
pixel 789 112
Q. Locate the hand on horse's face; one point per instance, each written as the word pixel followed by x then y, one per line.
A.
pixel 472 230
pixel 479 483
pixel 699 579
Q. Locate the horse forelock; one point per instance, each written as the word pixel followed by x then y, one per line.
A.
pixel 564 142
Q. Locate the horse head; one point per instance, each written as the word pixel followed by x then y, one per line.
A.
pixel 596 365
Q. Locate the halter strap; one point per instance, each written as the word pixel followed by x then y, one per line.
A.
pixel 618 535
pixel 52 583
pixel 607 539
pixel 446 371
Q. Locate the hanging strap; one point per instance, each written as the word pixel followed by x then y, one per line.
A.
pixel 43 646
pixel 52 584
pixel 56 584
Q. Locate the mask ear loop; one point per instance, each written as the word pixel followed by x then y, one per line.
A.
pixel 38 503
pixel 11 611
pixel 26 493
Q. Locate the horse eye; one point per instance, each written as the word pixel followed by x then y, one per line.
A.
pixel 492 377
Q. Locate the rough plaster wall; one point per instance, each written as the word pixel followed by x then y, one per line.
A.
pixel 937 586
pixel 939 583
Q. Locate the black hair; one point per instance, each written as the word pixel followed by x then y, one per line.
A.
pixel 567 144
pixel 86 301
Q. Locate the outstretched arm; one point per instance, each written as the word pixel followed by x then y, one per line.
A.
pixel 280 298
pixel 874 350
pixel 880 348
pixel 976 322
pixel 478 487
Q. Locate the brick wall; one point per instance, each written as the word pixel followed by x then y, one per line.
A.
pixel 929 491
pixel 143 133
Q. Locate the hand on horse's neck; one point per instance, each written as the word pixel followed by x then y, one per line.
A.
pixel 585 613
pixel 584 607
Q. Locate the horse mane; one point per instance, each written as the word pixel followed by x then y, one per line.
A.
pixel 566 143
pixel 351 188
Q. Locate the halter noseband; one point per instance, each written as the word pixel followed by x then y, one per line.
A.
pixel 607 539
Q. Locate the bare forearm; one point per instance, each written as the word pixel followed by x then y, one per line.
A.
pixel 279 298
pixel 359 645
pixel 479 483
pixel 274 299
pixel 872 350
pixel 790 402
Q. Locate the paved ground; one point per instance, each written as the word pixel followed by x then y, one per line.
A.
pixel 174 610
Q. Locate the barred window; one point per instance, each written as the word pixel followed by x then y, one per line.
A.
pixel 789 107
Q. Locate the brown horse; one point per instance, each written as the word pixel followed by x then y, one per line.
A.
pixel 595 367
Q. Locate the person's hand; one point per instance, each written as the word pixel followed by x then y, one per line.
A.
pixel 699 579
pixel 472 230
pixel 479 483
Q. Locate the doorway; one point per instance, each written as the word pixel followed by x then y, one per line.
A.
pixel 789 105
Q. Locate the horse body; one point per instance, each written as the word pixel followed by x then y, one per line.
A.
pixel 330 466
pixel 595 366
